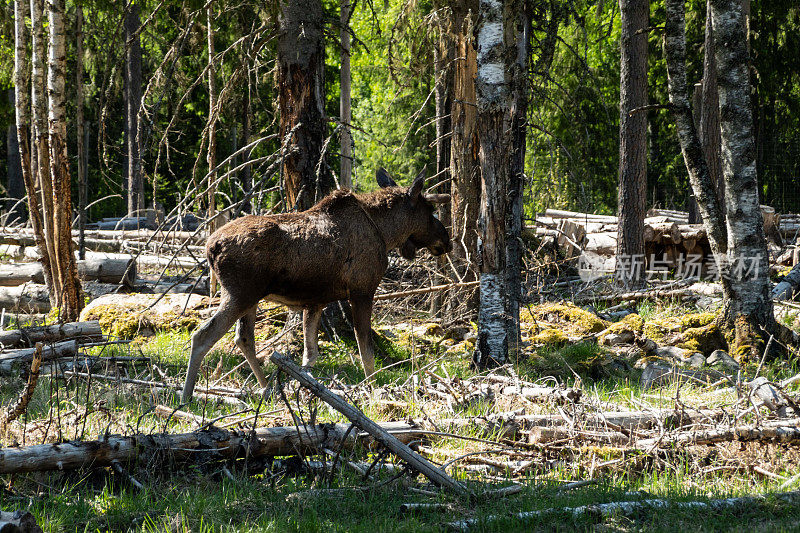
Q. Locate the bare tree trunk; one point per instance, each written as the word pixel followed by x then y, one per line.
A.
pixel 80 127
pixel 709 113
pixel 502 38
pixel 301 56
pixel 70 301
pixel 748 306
pixel 693 155
pixel 133 101
pixel 15 186
pixel 740 252
pixel 443 65
pixel 246 176
pixel 41 166
pixel 345 115
pixel 630 266
pixel 211 157
pixel 464 145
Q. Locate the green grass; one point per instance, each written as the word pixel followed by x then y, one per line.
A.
pixel 199 498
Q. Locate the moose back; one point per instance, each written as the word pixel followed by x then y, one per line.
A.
pixel 337 250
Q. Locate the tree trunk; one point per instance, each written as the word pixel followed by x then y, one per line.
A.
pixel 211 157
pixel 301 57
pixel 443 65
pixel 630 266
pixel 345 115
pixel 69 298
pixel 737 239
pixel 709 113
pixel 80 131
pixel 133 101
pixel 464 145
pixel 246 174
pixel 40 176
pixel 502 36
pixel 748 305
pixel 15 186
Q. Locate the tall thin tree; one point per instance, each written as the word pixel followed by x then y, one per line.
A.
pixel 630 266
pixel 502 42
pixel 69 298
pixel 133 101
pixel 345 112
pixel 301 60
pixel 464 145
pixel 80 127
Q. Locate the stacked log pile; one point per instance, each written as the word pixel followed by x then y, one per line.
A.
pixel 670 240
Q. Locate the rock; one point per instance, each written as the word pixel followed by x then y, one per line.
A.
pixel 696 360
pixel 721 359
pixel 648 345
pixel 655 374
pixel 671 352
pixel 457 333
pixel 615 339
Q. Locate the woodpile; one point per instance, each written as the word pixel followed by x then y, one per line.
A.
pixel 669 238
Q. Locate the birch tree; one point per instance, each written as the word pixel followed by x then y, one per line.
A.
pixel 502 55
pixel 40 167
pixel 737 237
pixel 630 266
pixel 68 297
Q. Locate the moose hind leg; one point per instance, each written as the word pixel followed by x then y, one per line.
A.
pixel 246 341
pixel 362 315
pixel 311 318
pixel 204 339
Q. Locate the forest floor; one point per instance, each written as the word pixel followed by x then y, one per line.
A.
pixel 415 356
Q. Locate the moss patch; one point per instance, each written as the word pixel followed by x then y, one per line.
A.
pixel 550 336
pixel 632 323
pixel 574 319
pixel 129 321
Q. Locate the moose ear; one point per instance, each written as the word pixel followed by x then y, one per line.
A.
pixel 383 178
pixel 416 188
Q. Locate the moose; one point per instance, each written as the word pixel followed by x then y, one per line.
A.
pixel 336 250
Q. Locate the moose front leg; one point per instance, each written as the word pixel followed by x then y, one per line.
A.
pixel 362 323
pixel 246 341
pixel 205 338
pixel 311 318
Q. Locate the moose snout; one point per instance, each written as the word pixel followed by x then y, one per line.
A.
pixel 441 248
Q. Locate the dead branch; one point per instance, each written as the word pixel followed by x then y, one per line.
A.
pixel 419 463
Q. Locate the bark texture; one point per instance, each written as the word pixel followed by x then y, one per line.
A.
pixel 502 55
pixel 15 185
pixel 693 155
pixel 41 148
pixel 133 101
pixel 464 145
pixel 301 56
pixel 80 130
pixel 68 297
pixel 748 305
pixel 630 268
pixel 345 115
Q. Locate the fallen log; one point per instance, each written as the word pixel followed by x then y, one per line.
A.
pixel 631 507
pixel 30 297
pixel 263 442
pixel 16 338
pixel 788 286
pixel 359 419
pixel 93 269
pixel 780 430
pixel 12 359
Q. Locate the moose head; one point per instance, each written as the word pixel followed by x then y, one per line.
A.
pixel 427 232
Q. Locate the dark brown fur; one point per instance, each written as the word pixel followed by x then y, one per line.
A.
pixel 337 250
